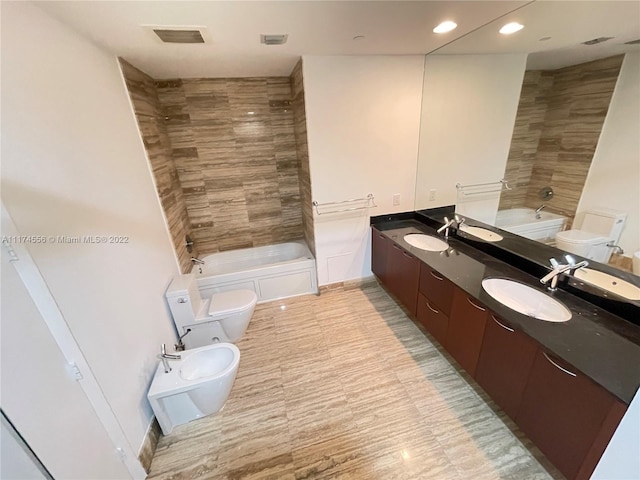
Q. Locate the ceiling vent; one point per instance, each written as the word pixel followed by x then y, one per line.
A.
pixel 274 39
pixel 633 42
pixel 178 33
pixel 596 41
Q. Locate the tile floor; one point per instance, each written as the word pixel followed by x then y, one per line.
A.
pixel 345 385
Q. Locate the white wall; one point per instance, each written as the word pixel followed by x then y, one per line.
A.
pixel 363 117
pixel 469 107
pixel 73 164
pixel 614 176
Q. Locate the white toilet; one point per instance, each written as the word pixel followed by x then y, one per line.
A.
pixel 223 317
pixel 198 384
pixel 592 231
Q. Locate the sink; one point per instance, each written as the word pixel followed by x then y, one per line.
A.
pixel 481 233
pixel 609 283
pixel 526 300
pixel 426 242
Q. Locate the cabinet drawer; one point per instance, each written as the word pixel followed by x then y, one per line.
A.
pixel 504 364
pixel 436 288
pixel 402 276
pixel 379 248
pixel 433 319
pixel 562 412
pixel 466 329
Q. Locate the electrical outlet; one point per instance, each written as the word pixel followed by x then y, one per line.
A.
pixel 432 195
pixel 396 199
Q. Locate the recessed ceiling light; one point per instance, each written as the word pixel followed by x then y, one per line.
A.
pixel 510 28
pixel 445 27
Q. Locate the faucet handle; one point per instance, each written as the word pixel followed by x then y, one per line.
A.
pixel 554 263
pixel 570 260
pixel 163 349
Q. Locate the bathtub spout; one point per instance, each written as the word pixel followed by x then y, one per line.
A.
pixel 197 261
pixel 538 210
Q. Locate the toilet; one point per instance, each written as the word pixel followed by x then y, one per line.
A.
pixel 223 317
pixel 197 385
pixel 592 231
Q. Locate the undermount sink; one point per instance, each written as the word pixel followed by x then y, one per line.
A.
pixel 526 300
pixel 426 242
pixel 609 283
pixel 481 233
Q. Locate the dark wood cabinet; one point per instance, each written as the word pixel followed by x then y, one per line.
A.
pixel 379 249
pixel 436 288
pixel 465 330
pixel 433 319
pixel 402 273
pixel 563 412
pixel 504 364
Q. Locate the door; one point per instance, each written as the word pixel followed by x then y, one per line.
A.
pixel 41 396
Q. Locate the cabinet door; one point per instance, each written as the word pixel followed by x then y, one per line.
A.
pixel 504 364
pixel 466 328
pixel 433 319
pixel 379 246
pixel 403 275
pixel 436 288
pixel 562 412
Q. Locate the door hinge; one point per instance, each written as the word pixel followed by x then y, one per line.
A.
pixel 75 371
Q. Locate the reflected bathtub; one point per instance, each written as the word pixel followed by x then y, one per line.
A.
pixel 272 271
pixel 523 222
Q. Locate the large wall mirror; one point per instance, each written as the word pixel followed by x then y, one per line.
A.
pixel 561 124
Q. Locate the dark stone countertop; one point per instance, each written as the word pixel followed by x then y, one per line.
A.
pixel 601 345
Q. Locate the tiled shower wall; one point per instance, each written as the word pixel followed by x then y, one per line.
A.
pixel 559 120
pixel 300 125
pixel 156 141
pixel 233 142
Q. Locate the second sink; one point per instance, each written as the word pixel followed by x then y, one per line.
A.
pixel 526 300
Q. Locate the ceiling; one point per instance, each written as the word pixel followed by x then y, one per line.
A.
pixel 329 27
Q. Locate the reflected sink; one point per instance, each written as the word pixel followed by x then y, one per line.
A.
pixel 426 242
pixel 526 300
pixel 481 233
pixel 609 283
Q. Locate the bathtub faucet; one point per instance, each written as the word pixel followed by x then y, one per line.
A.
pixel 539 209
pixel 197 261
pixel 165 357
pixel 616 248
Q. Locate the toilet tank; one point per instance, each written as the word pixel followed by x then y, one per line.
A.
pixel 604 222
pixel 184 299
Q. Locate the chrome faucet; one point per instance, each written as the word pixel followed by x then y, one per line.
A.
pixel 179 347
pixel 165 357
pixel 197 261
pixel 616 248
pixel 571 266
pixel 454 222
pixel 539 209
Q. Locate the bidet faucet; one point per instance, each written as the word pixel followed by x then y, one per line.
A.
pixel 197 261
pixel 558 268
pixel 539 209
pixel 165 357
pixel 179 347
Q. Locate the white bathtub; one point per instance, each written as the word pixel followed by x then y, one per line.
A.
pixel 273 271
pixel 523 222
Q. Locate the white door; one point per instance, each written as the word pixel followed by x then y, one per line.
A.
pixel 41 396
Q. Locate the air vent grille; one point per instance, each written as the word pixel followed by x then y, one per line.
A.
pixel 273 39
pixel 179 36
pixel 596 41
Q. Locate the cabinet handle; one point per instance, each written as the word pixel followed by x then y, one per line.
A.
pixel 380 235
pixel 501 324
pixel 431 308
pixel 558 366
pixel 396 247
pixel 407 255
pixel 477 306
pixel 434 275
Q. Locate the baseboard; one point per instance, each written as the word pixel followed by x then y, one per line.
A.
pixel 149 444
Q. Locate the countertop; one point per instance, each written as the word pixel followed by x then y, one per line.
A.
pixel 601 345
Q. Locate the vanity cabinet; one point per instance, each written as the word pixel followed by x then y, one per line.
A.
pixel 402 275
pixel 506 358
pixel 569 417
pixel 467 322
pixel 379 249
pixel 434 302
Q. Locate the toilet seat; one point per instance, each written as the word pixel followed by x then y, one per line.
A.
pixel 580 237
pixel 225 304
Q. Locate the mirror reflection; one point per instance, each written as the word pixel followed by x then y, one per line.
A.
pixel 571 176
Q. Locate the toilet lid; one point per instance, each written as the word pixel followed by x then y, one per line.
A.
pixel 227 303
pixel 579 236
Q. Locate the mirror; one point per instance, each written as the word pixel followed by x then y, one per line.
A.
pixel 563 133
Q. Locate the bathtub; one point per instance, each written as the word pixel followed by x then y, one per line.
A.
pixel 523 222
pixel 273 271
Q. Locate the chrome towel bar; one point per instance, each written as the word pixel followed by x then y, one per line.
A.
pixel 345 205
